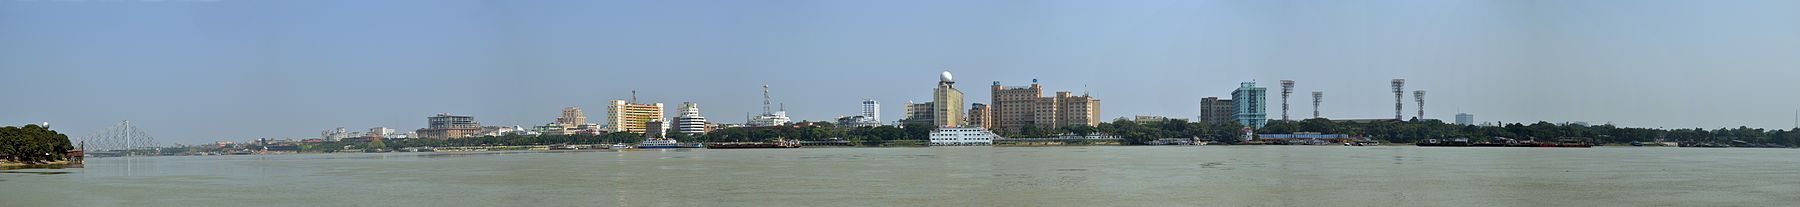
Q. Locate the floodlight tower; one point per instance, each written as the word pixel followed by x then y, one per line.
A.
pixel 766 100
pixel 1399 91
pixel 1287 88
pixel 1317 97
pixel 1419 96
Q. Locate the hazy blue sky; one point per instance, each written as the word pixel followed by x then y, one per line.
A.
pixel 198 71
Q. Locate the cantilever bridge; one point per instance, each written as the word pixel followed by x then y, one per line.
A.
pixel 120 140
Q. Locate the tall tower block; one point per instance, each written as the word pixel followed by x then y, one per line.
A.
pixel 1399 92
pixel 1287 88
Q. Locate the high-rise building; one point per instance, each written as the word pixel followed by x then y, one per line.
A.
pixel 1248 102
pixel 629 117
pixel 445 126
pixel 1017 106
pixel 918 113
pixel 1215 110
pixel 1073 110
pixel 1465 119
pixel 571 118
pixel 947 103
pixel 871 110
pixel 690 121
pixel 980 116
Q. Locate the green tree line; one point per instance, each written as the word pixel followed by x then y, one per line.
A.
pixel 32 144
pixel 1415 130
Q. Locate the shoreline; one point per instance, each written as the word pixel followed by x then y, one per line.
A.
pixel 10 165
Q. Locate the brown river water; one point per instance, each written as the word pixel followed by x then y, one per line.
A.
pixel 937 176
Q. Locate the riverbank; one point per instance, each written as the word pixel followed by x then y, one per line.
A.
pixel 9 165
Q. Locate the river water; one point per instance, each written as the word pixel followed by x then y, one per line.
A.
pixel 938 176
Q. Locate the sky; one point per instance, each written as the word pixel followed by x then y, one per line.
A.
pixel 197 71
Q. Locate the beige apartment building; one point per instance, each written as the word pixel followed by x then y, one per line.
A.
pixel 979 116
pixel 1016 106
pixel 623 116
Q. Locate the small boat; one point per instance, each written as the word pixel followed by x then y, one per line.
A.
pixel 620 146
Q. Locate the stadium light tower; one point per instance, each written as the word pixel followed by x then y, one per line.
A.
pixel 1399 92
pixel 1419 96
pixel 1317 97
pixel 1287 88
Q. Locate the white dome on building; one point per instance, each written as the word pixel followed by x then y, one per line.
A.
pixel 945 77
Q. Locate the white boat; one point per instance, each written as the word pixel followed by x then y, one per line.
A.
pixel 664 143
pixel 969 136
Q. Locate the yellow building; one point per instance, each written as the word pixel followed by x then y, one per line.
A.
pixel 980 116
pixel 622 116
pixel 947 103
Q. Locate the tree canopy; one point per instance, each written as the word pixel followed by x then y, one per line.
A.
pixel 32 144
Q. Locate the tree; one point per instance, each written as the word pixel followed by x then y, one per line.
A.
pixel 377 144
pixel 32 144
pixel 1320 125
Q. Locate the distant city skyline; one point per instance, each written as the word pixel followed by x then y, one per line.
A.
pixel 199 71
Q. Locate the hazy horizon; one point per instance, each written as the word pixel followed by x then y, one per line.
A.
pixel 200 71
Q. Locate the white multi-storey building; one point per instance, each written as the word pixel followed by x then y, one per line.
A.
pixel 1465 119
pixel 690 121
pixel 871 110
pixel 779 118
pixel 968 136
pixel 770 118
